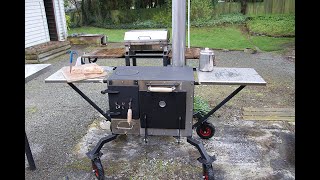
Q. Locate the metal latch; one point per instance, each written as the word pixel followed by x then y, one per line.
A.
pixel 124 125
pixel 109 91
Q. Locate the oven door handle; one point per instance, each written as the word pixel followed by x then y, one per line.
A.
pixel 161 89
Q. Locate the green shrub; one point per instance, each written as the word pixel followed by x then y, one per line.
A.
pixel 75 19
pixel 273 25
pixel 68 21
pixel 200 105
pixel 135 25
pixel 163 17
pixel 234 18
pixel 201 9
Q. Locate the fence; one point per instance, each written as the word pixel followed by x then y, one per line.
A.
pixel 227 8
pixel 257 8
pixel 271 7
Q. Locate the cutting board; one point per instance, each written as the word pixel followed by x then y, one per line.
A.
pixel 72 77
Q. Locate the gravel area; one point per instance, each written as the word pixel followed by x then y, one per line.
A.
pixel 62 127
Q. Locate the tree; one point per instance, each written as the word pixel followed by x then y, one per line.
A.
pixel 243 6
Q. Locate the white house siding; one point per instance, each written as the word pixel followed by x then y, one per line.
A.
pixel 36 27
pixel 60 19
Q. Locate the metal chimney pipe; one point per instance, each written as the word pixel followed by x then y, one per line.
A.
pixel 178 32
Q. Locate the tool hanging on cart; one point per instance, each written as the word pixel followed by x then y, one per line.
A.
pixel 71 52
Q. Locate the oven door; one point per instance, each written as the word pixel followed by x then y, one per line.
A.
pixel 162 110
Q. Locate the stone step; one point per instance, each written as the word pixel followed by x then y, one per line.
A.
pixel 46 55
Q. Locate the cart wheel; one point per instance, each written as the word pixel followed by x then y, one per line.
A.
pixel 206 130
pixel 98 169
pixel 207 172
pixel 93 61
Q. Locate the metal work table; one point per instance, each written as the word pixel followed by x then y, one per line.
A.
pixel 227 76
pixel 31 72
pixel 58 77
pixel 230 76
pixel 219 76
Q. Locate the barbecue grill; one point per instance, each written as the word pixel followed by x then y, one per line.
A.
pixel 146 44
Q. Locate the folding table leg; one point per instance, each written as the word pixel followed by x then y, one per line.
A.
pixel 205 117
pixel 32 165
pixel 127 59
pixel 134 61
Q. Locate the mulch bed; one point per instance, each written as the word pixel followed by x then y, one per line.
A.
pixel 106 53
pixel 192 53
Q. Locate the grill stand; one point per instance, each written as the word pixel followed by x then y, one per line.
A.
pixel 146 54
pixel 205 159
pixel 95 152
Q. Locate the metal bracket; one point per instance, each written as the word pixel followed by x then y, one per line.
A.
pixel 205 158
pixel 205 117
pixel 94 105
pixel 95 152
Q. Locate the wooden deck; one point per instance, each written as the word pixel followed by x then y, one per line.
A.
pixel 106 53
pixel 192 53
pixel 45 51
pixel 269 114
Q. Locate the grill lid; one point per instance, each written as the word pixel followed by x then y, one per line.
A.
pixel 147 35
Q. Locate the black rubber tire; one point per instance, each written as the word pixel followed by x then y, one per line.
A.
pixel 208 172
pixel 98 169
pixel 206 130
pixel 93 61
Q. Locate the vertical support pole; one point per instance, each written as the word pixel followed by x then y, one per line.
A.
pixel 189 24
pixel 178 32
pixel 134 60
pixel 28 152
pixel 127 60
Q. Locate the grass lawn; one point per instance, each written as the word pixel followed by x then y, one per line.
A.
pixel 229 37
pixel 273 25
pixel 270 43
pixel 219 37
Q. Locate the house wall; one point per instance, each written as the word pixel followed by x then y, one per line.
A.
pixel 36 27
pixel 60 19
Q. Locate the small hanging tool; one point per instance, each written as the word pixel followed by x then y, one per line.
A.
pixel 71 52
pixel 129 114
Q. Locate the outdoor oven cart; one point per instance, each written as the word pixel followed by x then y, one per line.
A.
pixel 158 101
pixel 161 100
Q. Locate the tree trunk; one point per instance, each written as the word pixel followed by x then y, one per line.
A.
pixel 84 13
pixel 243 6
